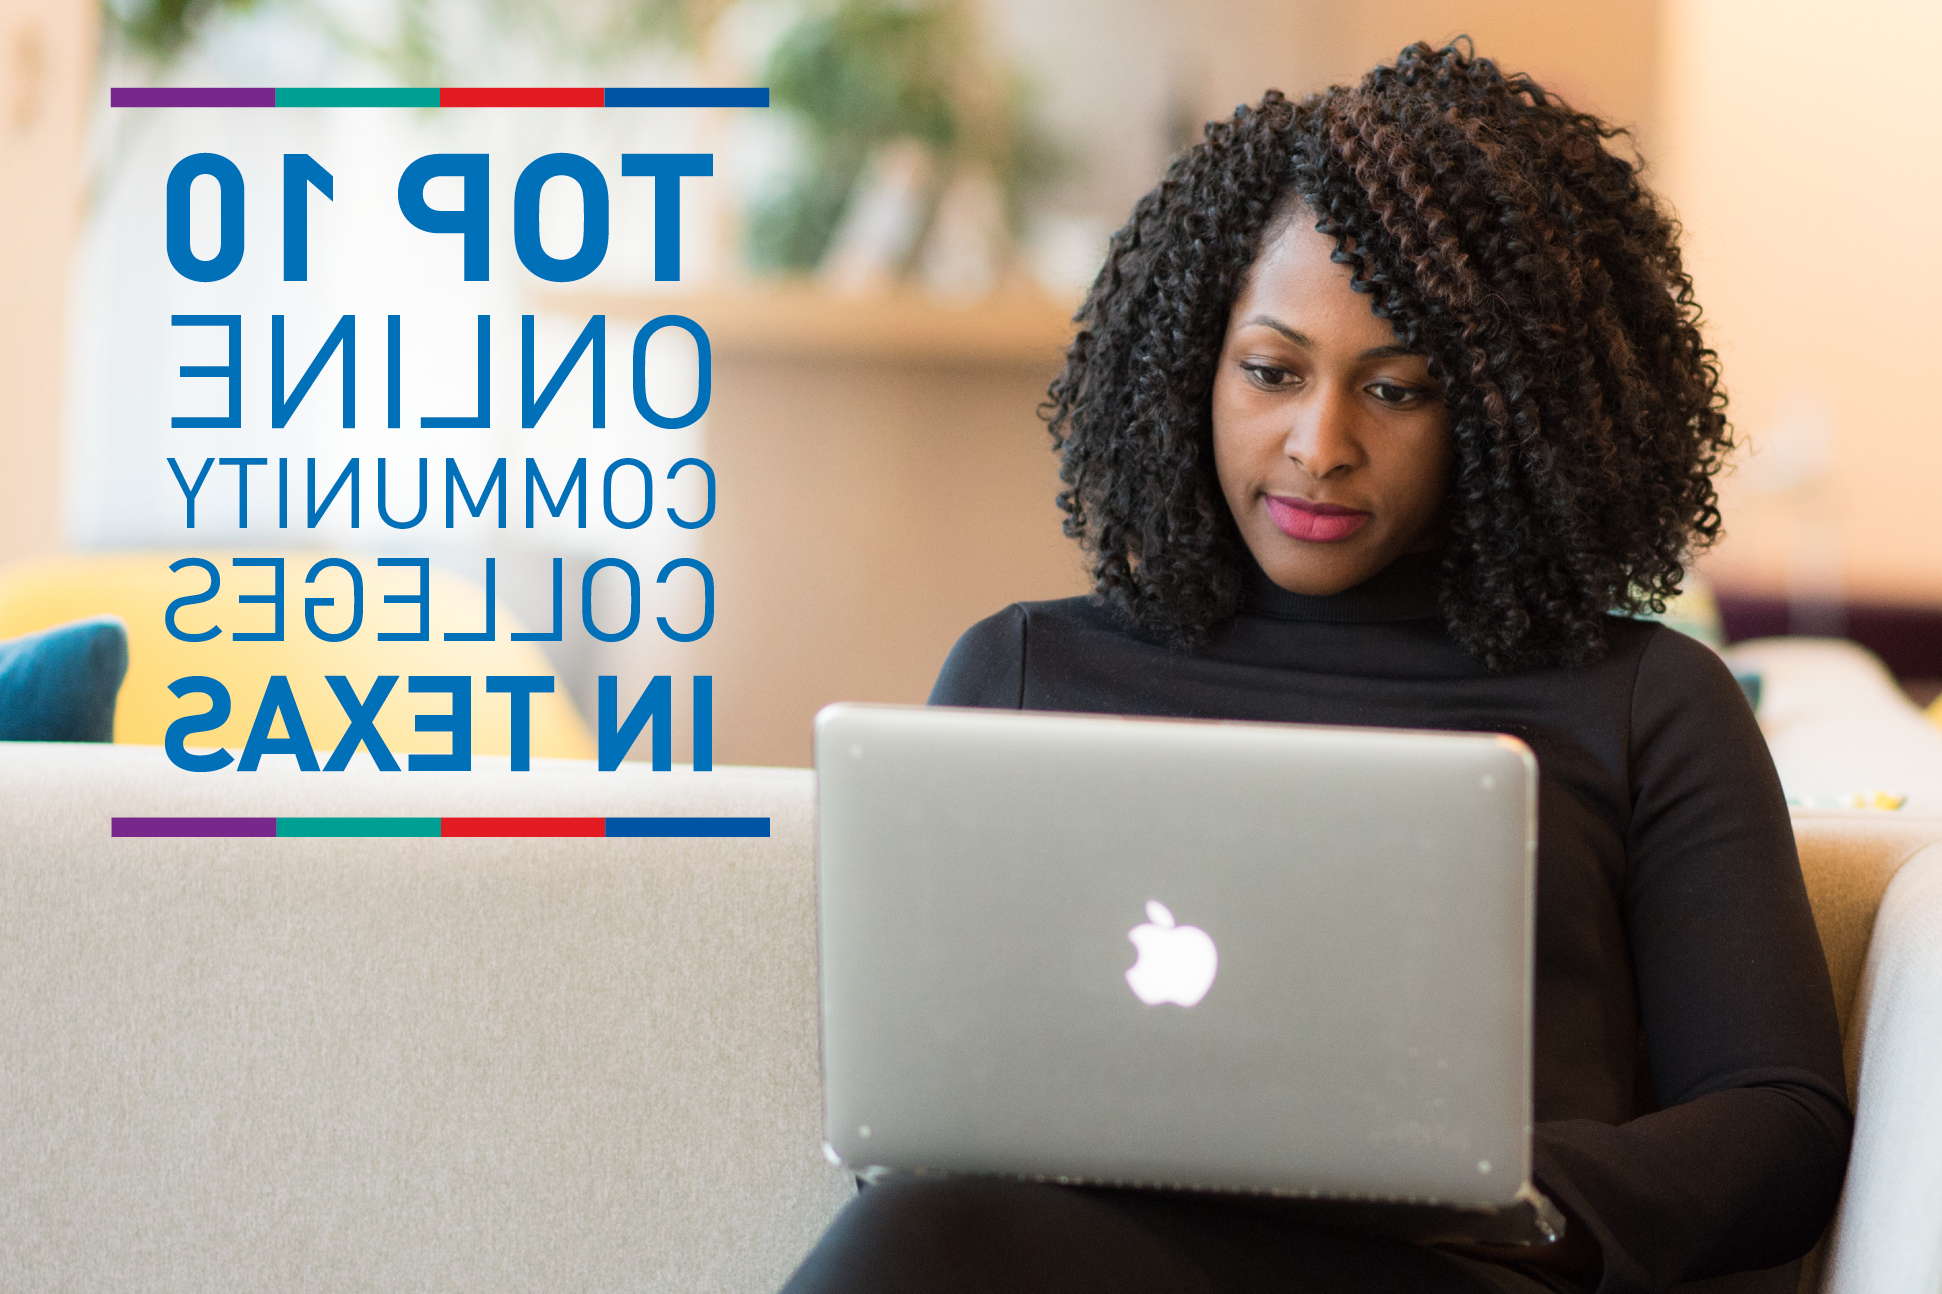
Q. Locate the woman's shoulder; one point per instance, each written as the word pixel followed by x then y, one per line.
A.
pixel 1690 721
pixel 1673 672
pixel 987 666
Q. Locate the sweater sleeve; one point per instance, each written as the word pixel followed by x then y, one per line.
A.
pixel 1741 1164
pixel 987 667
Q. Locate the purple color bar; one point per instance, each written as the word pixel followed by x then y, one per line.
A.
pixel 206 828
pixel 123 96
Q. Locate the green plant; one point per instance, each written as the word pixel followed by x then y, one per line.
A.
pixel 161 28
pixel 583 31
pixel 861 73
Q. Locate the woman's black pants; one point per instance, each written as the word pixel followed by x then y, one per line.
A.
pixel 990 1236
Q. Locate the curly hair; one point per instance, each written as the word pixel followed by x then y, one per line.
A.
pixel 1499 237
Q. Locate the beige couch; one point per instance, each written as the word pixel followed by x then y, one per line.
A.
pixel 415 1065
pixel 403 1065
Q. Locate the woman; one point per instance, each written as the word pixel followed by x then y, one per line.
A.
pixel 1390 408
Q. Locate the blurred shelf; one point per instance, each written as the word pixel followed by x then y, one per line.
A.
pixel 1018 326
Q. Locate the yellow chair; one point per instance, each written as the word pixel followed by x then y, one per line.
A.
pixel 139 587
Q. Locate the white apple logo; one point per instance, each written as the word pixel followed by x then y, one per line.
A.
pixel 1175 964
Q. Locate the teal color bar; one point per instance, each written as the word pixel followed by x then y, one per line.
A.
pixel 368 827
pixel 356 97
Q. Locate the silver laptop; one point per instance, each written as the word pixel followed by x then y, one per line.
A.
pixel 1268 958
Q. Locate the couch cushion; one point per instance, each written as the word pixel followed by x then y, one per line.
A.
pixel 1887 1236
pixel 1848 857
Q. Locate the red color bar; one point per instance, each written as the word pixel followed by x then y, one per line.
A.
pixel 502 828
pixel 509 97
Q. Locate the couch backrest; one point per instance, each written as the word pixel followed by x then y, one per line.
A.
pixel 404 1064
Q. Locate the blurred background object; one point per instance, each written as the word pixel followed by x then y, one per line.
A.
pixel 916 154
pixel 415 40
pixel 135 588
pixel 887 260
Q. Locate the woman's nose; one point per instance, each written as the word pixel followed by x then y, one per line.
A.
pixel 1322 439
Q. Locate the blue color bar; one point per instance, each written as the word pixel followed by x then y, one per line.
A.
pixel 687 827
pixel 708 96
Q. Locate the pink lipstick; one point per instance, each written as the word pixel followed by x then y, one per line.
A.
pixel 1320 523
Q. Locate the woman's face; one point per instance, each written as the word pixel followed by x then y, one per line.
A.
pixel 1332 444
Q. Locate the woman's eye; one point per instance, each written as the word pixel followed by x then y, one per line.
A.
pixel 1391 394
pixel 1269 376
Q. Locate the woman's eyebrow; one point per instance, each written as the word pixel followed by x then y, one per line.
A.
pixel 1306 342
pixel 1301 339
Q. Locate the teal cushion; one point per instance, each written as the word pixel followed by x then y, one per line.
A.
pixel 60 684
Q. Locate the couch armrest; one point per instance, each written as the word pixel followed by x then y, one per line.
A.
pixel 1887 1236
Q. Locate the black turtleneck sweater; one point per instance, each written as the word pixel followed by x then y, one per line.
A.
pixel 1688 1084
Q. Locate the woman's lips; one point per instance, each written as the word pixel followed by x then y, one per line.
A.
pixel 1320 523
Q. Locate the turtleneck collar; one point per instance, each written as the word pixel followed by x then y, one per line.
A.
pixel 1403 590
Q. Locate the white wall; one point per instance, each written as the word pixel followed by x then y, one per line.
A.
pixel 1800 149
pixel 46 76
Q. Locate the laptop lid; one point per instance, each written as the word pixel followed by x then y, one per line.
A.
pixel 1269 958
